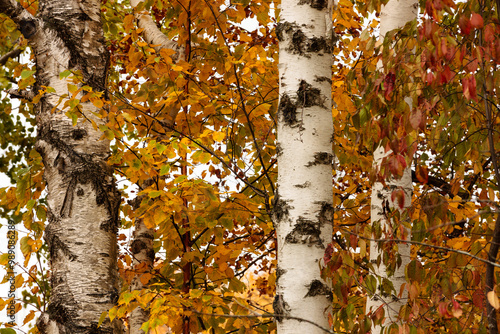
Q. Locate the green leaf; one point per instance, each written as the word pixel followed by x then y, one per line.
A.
pixel 155 193
pixel 7 331
pixel 180 179
pixel 164 169
pixel 64 74
pixel 26 74
pixel 101 318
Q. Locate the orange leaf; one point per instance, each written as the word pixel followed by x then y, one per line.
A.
pixel 493 299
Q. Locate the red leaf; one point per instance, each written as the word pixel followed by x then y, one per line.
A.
pixel 429 78
pixel 477 298
pixel 422 174
pixel 465 25
pixel 469 87
pixel 443 309
pixel 328 253
pixel 397 164
pixel 445 75
pixel 398 198
pixel 489 34
pixel 476 21
pixel 389 80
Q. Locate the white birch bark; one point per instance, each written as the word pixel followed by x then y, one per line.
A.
pixel 82 198
pixel 303 211
pixel 393 15
pixel 152 34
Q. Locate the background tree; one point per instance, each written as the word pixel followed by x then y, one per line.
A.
pixel 390 196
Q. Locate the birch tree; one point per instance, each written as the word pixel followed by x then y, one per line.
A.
pixel 67 42
pixel 394 194
pixel 142 243
pixel 303 210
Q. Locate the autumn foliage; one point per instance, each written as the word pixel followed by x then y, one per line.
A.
pixel 194 149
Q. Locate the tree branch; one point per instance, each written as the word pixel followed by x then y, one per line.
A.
pixel 152 34
pixel 11 54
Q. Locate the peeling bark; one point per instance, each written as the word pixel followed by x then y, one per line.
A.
pixel 303 206
pixel 82 198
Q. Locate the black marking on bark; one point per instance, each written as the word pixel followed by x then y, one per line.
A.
pixel 321 158
pixel 284 27
pixel 78 134
pixel 137 246
pixel 319 44
pixel 305 232
pixel 78 168
pixel 316 4
pixel 318 288
pixel 298 44
pixel 325 215
pixel 288 109
pixel 309 96
pixel 280 307
pixel 71 32
pixel 80 192
pixel 67 206
pixel 27 28
pixel 60 313
pixel 279 149
pixel 279 272
pixel 323 79
pixel 280 209
pixel 55 244
pixel 303 185
pixel 113 296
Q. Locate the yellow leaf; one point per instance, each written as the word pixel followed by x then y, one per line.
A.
pixel 493 299
pixel 219 136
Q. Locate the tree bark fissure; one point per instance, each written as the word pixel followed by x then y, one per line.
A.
pixel 82 197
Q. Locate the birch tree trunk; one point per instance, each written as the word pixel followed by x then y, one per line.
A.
pixel 142 243
pixel 303 211
pixel 393 15
pixel 83 200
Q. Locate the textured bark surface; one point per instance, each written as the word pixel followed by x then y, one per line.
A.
pixel 394 15
pixel 82 198
pixel 303 210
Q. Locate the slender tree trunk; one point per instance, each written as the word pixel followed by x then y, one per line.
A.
pixel 82 198
pixel 303 210
pixel 393 15
pixel 142 243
